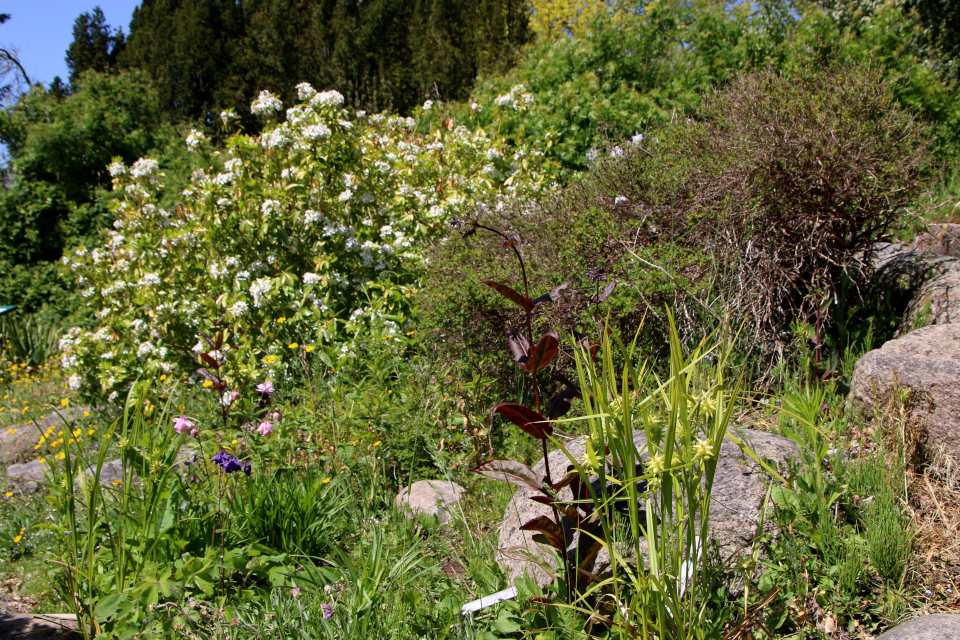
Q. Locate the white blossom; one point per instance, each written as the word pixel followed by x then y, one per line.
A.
pixel 144 168
pixel 311 278
pixel 305 91
pixel 265 103
pixel 259 288
pixel 194 139
pixel 117 169
pixel 327 99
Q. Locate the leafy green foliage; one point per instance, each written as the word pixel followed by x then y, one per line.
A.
pixel 56 193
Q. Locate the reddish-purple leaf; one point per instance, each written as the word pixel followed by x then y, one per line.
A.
pixel 528 420
pixel 207 375
pixel 210 360
pixel 549 529
pixel 547 500
pixel 566 479
pixel 561 404
pixel 552 296
pixel 543 353
pixel 605 293
pixel 510 294
pixel 519 346
pixel 513 472
pixel 208 339
pixel 220 339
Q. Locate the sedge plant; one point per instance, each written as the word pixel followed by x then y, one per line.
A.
pixel 646 478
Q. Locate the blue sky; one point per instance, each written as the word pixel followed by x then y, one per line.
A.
pixel 43 29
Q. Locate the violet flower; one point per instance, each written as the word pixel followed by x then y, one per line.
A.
pixel 229 463
pixel 327 611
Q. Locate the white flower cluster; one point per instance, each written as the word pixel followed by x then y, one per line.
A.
pixel 195 139
pixel 145 168
pixel 517 99
pixel 265 103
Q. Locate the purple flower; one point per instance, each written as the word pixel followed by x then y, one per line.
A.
pixel 265 388
pixel 183 424
pixel 229 463
pixel 327 611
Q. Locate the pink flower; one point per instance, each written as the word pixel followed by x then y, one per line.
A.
pixel 265 428
pixel 265 388
pixel 183 424
pixel 194 432
pixel 234 395
pixel 295 591
pixel 277 417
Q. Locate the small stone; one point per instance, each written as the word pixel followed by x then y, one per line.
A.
pixel 941 626
pixel 432 497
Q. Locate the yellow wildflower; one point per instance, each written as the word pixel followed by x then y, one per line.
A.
pixel 308 348
pixel 377 443
pixel 326 480
pixel 65 402
pixel 8 494
pixel 292 345
pixel 269 359
pixel 207 384
pixel 281 320
pixel 86 414
pixel 19 537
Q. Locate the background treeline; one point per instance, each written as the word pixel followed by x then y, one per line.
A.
pixel 600 73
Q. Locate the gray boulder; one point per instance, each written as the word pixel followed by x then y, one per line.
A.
pixel 941 626
pixel 927 361
pixel 942 239
pixel 737 498
pixel 27 476
pixel 432 497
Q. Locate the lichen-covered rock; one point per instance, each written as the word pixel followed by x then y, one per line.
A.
pixel 942 239
pixel 432 497
pixel 927 361
pixel 941 626
pixel 737 498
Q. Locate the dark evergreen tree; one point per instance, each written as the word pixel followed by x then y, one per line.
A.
pixel 95 47
pixel 187 47
pixel 207 55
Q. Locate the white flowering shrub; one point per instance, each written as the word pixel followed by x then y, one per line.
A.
pixel 281 244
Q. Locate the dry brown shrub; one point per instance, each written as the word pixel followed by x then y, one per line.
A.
pixel 796 179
